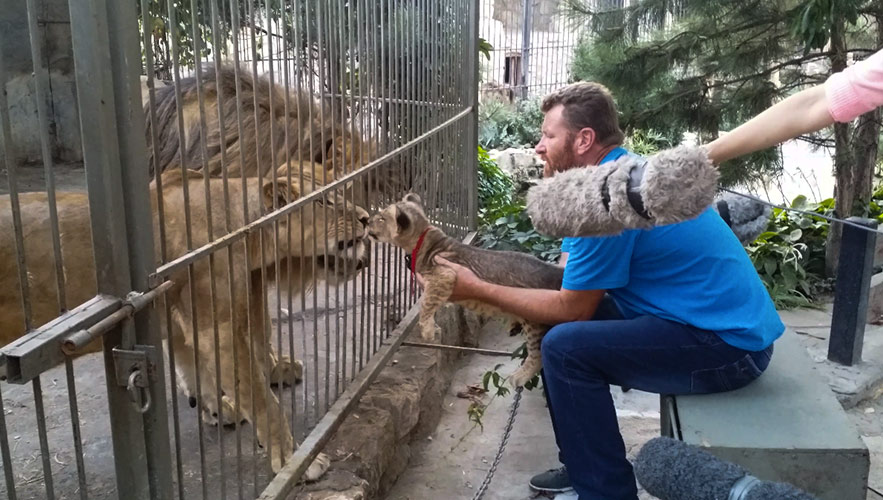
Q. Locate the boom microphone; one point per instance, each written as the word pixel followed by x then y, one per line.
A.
pixel 630 192
pixel 672 470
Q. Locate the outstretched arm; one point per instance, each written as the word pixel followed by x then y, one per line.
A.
pixel 844 96
pixel 804 112
pixel 548 307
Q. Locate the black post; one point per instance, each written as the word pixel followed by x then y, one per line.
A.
pixel 854 271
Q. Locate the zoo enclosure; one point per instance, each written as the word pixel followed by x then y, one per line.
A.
pixel 396 85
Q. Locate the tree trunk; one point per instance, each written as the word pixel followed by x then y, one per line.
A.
pixel 854 159
pixel 843 185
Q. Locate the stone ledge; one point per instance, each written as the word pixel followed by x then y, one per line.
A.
pixel 373 445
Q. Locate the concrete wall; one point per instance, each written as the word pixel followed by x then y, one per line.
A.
pixel 53 24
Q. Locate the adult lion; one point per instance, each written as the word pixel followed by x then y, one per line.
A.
pixel 241 326
pixel 276 125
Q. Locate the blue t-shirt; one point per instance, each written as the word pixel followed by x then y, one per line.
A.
pixel 694 272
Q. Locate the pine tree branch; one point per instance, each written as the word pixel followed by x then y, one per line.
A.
pixel 821 142
pixel 764 73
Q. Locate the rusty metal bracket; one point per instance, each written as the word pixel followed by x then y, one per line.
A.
pixel 47 346
pixel 134 302
pixel 37 351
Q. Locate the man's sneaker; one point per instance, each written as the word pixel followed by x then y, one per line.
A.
pixel 551 481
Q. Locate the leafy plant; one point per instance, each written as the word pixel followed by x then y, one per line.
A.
pixel 516 232
pixel 504 223
pixel 790 255
pixel 502 125
pixel 495 189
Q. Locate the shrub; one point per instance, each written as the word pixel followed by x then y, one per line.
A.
pixel 502 125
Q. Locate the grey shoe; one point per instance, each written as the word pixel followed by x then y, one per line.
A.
pixel 551 481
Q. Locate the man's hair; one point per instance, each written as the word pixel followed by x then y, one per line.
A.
pixel 588 104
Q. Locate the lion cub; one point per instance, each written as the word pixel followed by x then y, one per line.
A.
pixel 405 225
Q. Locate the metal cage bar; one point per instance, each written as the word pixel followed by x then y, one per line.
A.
pixel 271 130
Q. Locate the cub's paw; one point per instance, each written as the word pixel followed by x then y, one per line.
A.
pixel 522 376
pixel 430 331
pixel 318 468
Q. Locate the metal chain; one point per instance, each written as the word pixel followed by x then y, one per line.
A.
pixel 482 489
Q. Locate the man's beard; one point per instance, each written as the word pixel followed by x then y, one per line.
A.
pixel 563 160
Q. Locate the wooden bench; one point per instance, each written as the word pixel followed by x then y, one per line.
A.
pixel 785 426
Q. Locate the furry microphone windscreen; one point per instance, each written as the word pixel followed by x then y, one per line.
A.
pixel 746 217
pixel 672 470
pixel 672 186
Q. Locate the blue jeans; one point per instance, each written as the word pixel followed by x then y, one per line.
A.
pixel 582 359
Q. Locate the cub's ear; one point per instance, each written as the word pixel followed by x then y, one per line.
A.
pixel 403 222
pixel 413 198
pixel 285 193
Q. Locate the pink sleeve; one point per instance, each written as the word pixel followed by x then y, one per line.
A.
pixel 857 89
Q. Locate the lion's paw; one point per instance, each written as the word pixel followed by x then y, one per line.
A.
pixel 286 372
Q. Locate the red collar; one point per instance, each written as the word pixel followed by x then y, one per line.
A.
pixel 417 249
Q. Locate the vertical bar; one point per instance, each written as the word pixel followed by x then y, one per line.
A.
pixel 44 441
pixel 107 90
pixel 12 179
pixel 527 12
pixel 250 8
pixel 339 346
pixel 41 85
pixel 75 428
pixel 231 290
pixel 160 215
pixel 472 130
pixel 126 64
pixel 235 7
pixel 4 437
pixel 851 292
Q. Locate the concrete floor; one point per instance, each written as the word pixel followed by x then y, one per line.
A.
pixel 327 372
pixel 456 459
pixel 453 463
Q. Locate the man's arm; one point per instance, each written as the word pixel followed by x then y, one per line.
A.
pixel 548 307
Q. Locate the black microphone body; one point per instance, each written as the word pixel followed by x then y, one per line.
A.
pixel 746 217
pixel 672 470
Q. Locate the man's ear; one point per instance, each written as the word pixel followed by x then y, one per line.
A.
pixel 413 198
pixel 285 193
pixel 585 138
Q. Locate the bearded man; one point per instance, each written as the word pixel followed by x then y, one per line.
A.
pixel 676 309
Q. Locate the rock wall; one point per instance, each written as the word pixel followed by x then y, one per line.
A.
pixel 373 445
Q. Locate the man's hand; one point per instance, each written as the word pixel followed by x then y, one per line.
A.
pixel 466 283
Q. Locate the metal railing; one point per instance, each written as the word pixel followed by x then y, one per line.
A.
pixel 222 234
pixel 533 44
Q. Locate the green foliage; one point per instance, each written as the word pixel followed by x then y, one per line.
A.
pixel 790 256
pixel 502 125
pixel 703 66
pixel 813 20
pixel 485 48
pixel 504 225
pixel 516 232
pixel 647 142
pixel 495 190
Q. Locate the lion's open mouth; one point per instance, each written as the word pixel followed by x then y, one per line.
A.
pixel 332 263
